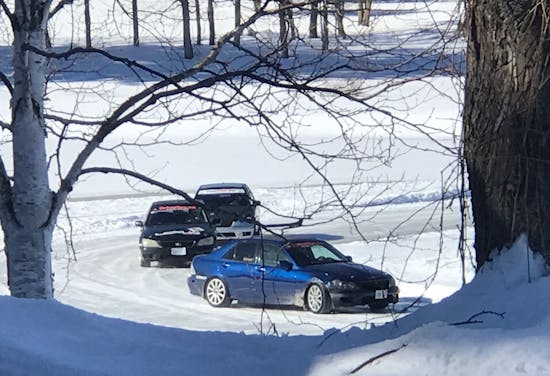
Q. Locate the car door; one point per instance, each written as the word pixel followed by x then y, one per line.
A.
pixel 237 269
pixel 276 283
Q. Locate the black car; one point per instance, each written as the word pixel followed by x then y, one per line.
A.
pixel 232 207
pixel 302 271
pixel 175 231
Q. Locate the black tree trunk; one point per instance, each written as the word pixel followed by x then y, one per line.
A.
pixel 198 20
pixel 135 22
pixel 211 26
pixel 313 17
pixel 88 23
pixel 187 45
pixel 507 123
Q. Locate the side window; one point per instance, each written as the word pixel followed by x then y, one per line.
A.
pixel 245 251
pixel 230 255
pixel 273 254
pixel 320 251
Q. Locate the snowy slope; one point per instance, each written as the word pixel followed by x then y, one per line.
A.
pixel 49 338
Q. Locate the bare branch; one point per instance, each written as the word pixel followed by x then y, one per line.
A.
pixel 6 82
pixel 59 6
pixel 109 170
pixel 6 10
pixel 472 319
pixel 374 358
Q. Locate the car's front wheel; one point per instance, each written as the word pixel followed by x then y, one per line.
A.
pixel 216 293
pixel 318 299
pixel 144 263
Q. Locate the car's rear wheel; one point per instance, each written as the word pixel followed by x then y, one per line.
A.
pixel 216 293
pixel 318 299
pixel 144 263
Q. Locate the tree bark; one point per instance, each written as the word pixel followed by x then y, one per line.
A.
pixel 186 17
pixel 26 215
pixel 507 123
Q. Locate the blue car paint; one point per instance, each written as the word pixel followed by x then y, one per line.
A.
pixel 254 283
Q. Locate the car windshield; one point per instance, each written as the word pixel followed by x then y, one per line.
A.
pixel 214 201
pixel 176 214
pixel 313 252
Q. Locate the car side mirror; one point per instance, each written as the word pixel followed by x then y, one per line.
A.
pixel 348 258
pixel 284 264
pixel 256 203
pixel 138 223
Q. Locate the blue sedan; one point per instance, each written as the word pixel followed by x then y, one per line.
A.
pixel 303 271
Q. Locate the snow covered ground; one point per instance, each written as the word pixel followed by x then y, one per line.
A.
pixel 112 317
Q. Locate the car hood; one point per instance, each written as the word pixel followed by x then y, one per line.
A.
pixel 169 232
pixel 345 271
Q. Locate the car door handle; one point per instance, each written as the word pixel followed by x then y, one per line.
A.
pixel 261 269
pixel 225 265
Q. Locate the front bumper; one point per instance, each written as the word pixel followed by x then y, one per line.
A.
pixel 165 253
pixel 348 298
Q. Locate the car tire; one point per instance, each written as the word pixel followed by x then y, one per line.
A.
pixel 378 306
pixel 144 263
pixel 317 299
pixel 216 293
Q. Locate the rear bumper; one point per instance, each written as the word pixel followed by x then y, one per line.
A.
pixel 225 234
pixel 195 283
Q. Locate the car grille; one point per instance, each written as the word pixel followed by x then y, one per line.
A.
pixel 377 284
pixel 176 244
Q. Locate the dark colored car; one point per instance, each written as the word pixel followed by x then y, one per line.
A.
pixel 231 206
pixel 302 271
pixel 175 231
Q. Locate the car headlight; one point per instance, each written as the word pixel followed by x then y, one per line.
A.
pixel 206 241
pixel 342 285
pixel 150 243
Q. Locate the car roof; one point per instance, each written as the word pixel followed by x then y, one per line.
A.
pixel 294 238
pixel 223 185
pixel 171 202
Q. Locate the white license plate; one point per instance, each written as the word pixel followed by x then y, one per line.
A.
pixel 381 294
pixel 182 251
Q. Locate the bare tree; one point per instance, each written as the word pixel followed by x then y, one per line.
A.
pixel 135 22
pixel 340 8
pixel 283 27
pixel 211 23
pixel 365 7
pixel 506 123
pixel 88 23
pixel 313 17
pixel 324 25
pixel 198 20
pixel 237 20
pixel 186 17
